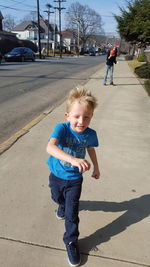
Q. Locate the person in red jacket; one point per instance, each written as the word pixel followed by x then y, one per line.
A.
pixel 110 60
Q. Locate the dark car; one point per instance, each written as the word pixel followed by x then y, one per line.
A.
pixel 20 54
pixel 0 57
pixel 92 53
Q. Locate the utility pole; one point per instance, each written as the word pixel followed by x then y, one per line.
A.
pixel 39 38
pixel 78 37
pixel 60 9
pixel 78 21
pixel 54 32
pixel 48 13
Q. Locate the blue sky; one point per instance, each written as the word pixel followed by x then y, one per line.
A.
pixel 21 8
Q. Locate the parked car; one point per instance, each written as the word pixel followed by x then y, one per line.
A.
pixel 0 57
pixel 20 54
pixel 92 53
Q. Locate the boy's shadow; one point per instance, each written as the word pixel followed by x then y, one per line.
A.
pixel 135 210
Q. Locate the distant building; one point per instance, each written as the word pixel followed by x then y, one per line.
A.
pixel 9 40
pixel 28 30
pixel 69 40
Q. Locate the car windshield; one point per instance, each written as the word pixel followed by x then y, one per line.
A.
pixel 17 50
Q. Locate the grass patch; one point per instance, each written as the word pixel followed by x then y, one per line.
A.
pixel 134 64
pixel 142 70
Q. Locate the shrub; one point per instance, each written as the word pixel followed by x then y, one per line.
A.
pixel 57 51
pixel 141 57
pixel 147 86
pixel 128 57
pixel 29 44
pixel 143 71
pixel 8 42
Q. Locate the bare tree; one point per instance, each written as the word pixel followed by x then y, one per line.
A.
pixel 9 23
pixel 31 16
pixel 85 21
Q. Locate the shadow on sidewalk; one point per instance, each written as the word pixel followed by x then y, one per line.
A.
pixel 115 77
pixel 135 210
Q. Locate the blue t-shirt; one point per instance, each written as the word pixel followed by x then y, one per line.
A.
pixel 74 144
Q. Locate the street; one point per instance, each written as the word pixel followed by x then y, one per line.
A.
pixel 27 88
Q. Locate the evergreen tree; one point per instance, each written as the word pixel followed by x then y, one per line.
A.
pixel 134 22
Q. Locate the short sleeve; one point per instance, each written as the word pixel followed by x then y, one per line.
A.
pixel 58 132
pixel 93 140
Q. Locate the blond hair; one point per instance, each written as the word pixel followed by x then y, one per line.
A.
pixel 82 96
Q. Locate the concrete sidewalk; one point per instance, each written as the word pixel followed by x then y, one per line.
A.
pixel 114 211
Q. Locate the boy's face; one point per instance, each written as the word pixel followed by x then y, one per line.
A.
pixel 79 117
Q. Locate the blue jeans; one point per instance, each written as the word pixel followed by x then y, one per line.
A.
pixel 109 69
pixel 66 193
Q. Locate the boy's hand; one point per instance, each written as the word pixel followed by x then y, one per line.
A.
pixel 82 164
pixel 96 173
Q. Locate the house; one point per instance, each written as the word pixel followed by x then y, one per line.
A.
pixel 69 40
pixel 9 40
pixel 28 30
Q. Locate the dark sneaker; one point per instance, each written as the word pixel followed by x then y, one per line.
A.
pixel 112 84
pixel 73 254
pixel 60 212
pixel 104 83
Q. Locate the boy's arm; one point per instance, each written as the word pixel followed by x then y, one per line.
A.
pixel 53 150
pixel 93 157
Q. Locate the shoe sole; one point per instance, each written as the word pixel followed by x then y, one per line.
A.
pixel 58 217
pixel 74 265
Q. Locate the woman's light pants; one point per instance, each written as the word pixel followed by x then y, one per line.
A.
pixel 109 69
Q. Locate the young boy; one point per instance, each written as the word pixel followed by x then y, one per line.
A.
pixel 67 148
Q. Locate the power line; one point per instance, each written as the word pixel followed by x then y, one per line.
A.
pixel 22 2
pixel 17 9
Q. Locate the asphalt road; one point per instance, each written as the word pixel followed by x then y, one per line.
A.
pixel 29 88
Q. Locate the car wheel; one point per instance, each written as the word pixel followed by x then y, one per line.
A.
pixel 33 59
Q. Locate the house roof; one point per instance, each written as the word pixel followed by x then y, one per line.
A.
pixel 24 25
pixel 67 34
pixel 44 25
pixel 10 35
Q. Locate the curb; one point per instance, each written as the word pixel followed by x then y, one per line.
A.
pixel 9 142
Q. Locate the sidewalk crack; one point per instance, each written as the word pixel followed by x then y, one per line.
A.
pixel 83 253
